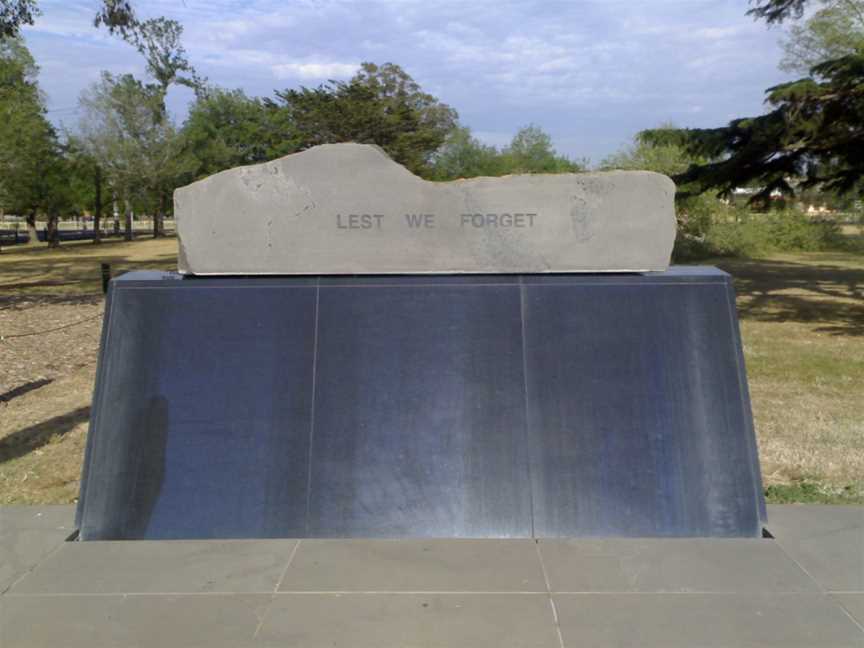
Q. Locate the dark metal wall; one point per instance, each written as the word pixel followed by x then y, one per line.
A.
pixel 469 406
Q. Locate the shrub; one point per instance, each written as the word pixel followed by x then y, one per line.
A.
pixel 730 231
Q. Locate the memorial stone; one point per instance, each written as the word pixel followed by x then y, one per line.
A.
pixel 499 381
pixel 350 209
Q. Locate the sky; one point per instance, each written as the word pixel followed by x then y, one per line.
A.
pixel 591 73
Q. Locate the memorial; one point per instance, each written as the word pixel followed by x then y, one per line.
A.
pixel 380 356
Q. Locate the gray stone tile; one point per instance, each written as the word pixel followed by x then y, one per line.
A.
pixel 671 565
pixel 214 621
pixel 46 516
pixel 853 604
pixel 415 566
pixel 27 535
pixel 827 541
pixel 704 620
pixel 160 566
pixel 399 620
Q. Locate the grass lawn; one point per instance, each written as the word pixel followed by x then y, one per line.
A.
pixel 802 319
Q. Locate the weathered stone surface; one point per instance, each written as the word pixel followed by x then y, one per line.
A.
pixel 349 209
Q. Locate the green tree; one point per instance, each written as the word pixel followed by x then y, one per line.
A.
pixel 531 151
pixel 694 212
pixel 668 158
pixel 14 13
pixel 29 148
pixel 834 31
pixel 380 105
pixel 117 15
pixel 812 136
pixel 464 156
pixel 139 154
pixel 159 41
pixel 225 129
pixel 87 181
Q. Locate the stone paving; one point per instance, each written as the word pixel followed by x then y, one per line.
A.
pixel 803 588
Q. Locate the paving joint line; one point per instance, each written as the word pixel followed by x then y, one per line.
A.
pixel 822 589
pixel 269 606
pixel 32 568
pixel 288 592
pixel 847 612
pixel 549 593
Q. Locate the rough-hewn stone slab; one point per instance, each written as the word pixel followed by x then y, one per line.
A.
pixel 349 209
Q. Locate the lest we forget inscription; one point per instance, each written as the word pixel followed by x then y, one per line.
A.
pixel 350 209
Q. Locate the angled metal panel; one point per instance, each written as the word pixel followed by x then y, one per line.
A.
pixel 634 405
pixel 493 406
pixel 203 413
pixel 419 411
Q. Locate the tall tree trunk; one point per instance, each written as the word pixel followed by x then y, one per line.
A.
pixel 159 217
pixel 128 214
pixel 97 208
pixel 53 237
pixel 31 228
pixel 116 215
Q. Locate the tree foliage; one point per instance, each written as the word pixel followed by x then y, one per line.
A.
pixel 380 105
pixel 464 156
pixel 812 135
pixel 117 15
pixel 225 129
pixel 694 212
pixel 14 13
pixel 159 42
pixel 834 31
pixel 30 154
pixel 530 151
pixel 140 154
pixel 776 11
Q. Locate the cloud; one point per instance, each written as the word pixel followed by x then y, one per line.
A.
pixel 591 73
pixel 314 70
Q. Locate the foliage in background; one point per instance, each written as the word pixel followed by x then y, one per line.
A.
pixel 695 212
pixel 14 13
pixel 225 129
pixel 834 31
pixel 117 15
pixel 813 134
pixel 32 165
pixel 530 151
pixel 122 127
pixel 130 150
pixel 380 105
pixel 710 226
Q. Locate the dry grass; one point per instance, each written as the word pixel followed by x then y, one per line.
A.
pixel 46 380
pixel 73 268
pixel 802 319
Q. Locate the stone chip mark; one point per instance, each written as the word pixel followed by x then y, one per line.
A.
pixel 582 225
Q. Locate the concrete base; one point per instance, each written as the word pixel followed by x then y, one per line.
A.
pixel 803 588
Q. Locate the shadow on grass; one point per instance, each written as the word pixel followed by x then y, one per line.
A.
pixel 24 300
pixel 5 397
pixel 71 273
pixel 31 438
pixel 781 291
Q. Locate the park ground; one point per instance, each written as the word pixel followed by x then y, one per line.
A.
pixel 802 319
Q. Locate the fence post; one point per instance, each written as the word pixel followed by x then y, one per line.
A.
pixel 106 277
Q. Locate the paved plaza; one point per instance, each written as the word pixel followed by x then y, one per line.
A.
pixel 803 588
